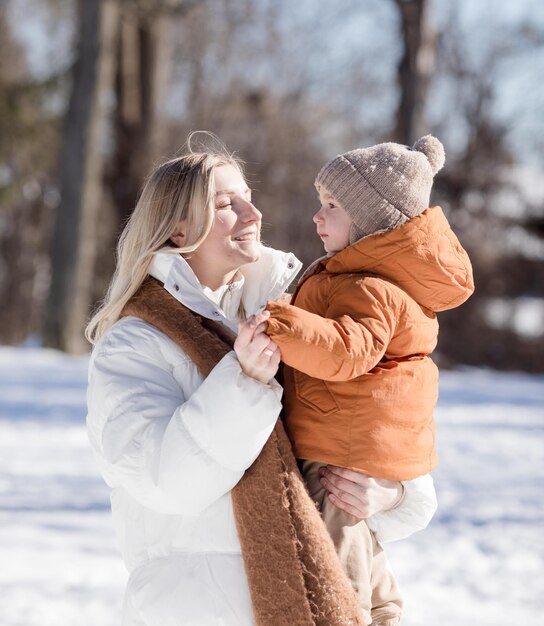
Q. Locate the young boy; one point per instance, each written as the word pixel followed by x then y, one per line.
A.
pixel 360 388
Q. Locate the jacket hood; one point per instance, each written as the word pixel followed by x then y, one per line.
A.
pixel 422 256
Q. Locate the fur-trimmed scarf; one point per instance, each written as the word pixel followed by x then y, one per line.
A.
pixel 294 575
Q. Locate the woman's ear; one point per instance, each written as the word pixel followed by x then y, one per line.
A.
pixel 178 236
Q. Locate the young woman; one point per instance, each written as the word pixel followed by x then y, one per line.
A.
pixel 178 411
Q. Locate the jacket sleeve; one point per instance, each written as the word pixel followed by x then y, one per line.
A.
pixel 347 342
pixel 176 455
pixel 413 513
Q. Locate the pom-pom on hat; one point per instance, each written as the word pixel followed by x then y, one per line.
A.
pixel 383 186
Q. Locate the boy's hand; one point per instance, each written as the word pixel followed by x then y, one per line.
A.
pixel 359 494
pixel 258 355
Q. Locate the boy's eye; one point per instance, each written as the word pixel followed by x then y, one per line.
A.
pixel 331 206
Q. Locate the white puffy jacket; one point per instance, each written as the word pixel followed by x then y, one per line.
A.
pixel 172 446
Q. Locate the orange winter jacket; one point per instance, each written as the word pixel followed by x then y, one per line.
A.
pixel 360 388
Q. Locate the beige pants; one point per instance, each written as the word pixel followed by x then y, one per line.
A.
pixel 362 557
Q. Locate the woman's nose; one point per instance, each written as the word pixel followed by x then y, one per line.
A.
pixel 251 213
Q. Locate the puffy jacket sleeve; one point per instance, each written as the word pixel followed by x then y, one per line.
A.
pixel 413 513
pixel 348 341
pixel 176 454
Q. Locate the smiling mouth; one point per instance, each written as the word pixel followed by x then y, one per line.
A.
pixel 248 237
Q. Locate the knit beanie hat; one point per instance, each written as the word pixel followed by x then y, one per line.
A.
pixel 383 186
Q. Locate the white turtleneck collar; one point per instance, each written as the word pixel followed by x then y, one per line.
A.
pixel 227 297
pixel 253 285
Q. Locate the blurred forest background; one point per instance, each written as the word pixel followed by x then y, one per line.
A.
pixel 93 93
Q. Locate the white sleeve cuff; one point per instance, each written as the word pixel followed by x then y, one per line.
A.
pixel 412 513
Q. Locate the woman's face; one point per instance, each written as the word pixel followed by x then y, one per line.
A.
pixel 234 237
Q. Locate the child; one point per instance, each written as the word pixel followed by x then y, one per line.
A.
pixel 360 388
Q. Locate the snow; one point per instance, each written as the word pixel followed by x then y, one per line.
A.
pixel 480 562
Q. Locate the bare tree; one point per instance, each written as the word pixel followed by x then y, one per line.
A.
pixel 122 52
pixel 221 66
pixel 415 69
pixel 28 142
pixel 74 241
pixel 481 178
pixel 142 79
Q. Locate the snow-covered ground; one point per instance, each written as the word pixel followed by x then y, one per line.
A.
pixel 480 563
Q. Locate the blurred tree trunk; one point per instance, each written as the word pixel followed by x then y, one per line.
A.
pixel 140 86
pixel 28 148
pixel 415 69
pixel 141 81
pixel 74 239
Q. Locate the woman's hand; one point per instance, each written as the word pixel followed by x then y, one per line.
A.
pixel 359 494
pixel 258 355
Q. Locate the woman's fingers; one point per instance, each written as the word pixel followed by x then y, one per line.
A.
pixel 272 351
pixel 247 329
pixel 363 493
pixel 348 508
pixel 258 355
pixel 346 492
pixel 261 328
pixel 245 333
pixel 343 472
pixel 261 342
pixel 261 317
pixel 341 479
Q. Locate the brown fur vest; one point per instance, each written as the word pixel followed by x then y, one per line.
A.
pixel 294 576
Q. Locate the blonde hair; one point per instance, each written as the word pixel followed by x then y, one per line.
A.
pixel 180 190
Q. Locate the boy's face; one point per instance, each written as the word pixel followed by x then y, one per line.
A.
pixel 333 223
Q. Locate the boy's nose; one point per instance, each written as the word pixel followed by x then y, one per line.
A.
pixel 317 217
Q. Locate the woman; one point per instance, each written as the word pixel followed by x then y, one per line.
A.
pixel 173 437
